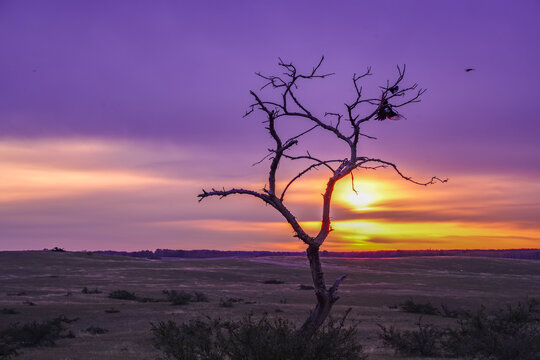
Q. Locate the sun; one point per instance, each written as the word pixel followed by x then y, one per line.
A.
pixel 364 198
pixel 361 200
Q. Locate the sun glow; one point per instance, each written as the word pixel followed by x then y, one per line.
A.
pixel 364 196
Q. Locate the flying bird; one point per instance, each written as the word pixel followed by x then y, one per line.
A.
pixel 469 69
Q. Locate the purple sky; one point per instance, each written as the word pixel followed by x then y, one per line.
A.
pixel 169 82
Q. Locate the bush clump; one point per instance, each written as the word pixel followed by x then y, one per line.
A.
pixel 96 330
pixel 183 298
pixel 226 303
pixel 509 333
pixel 425 341
pixel 122 295
pixel 126 295
pixel 8 311
pixel 199 297
pixel 263 339
pixel 273 282
pixel 452 313
pixel 178 297
pixel 419 308
pixel 32 334
pixel 86 290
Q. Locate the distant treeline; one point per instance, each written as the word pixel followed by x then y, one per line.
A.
pixel 529 254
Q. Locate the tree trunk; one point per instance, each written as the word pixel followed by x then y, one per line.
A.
pixel 325 297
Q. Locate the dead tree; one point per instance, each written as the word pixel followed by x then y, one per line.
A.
pixel 345 127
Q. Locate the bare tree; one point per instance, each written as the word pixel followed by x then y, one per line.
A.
pixel 346 127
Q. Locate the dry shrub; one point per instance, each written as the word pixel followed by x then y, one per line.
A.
pixel 262 339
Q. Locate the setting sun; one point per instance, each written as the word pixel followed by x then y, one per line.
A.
pixel 367 194
pixel 361 200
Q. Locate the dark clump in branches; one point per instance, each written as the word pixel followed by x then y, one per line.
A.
pixel 345 127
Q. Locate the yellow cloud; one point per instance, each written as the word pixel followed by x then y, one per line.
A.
pixel 370 235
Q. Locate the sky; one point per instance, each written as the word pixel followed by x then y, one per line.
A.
pixel 114 115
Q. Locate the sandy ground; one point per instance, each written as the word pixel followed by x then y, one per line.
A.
pixel 53 282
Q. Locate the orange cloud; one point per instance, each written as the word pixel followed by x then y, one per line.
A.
pixel 22 183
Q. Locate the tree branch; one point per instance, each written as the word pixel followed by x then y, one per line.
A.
pixel 223 193
pixel 313 166
pixel 334 289
pixel 433 179
pixel 309 157
pixel 268 199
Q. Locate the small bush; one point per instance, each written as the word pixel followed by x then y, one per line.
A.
pixel 126 295
pixel 226 303
pixel 178 297
pixel 451 313
pixel 305 287
pixel 236 300
pixel 32 334
pixel 66 320
pixel 263 339
pixel 183 298
pixel 8 311
pixel 418 308
pixel 112 311
pixel 85 290
pixel 147 299
pixel 57 249
pixel 122 295
pixel 96 330
pixel 422 342
pixel 199 297
pixel 273 281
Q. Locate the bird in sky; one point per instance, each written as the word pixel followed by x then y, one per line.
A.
pixel 469 69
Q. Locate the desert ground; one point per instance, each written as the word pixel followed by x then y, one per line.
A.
pixel 41 285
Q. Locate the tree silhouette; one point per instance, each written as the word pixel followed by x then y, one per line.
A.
pixel 346 127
